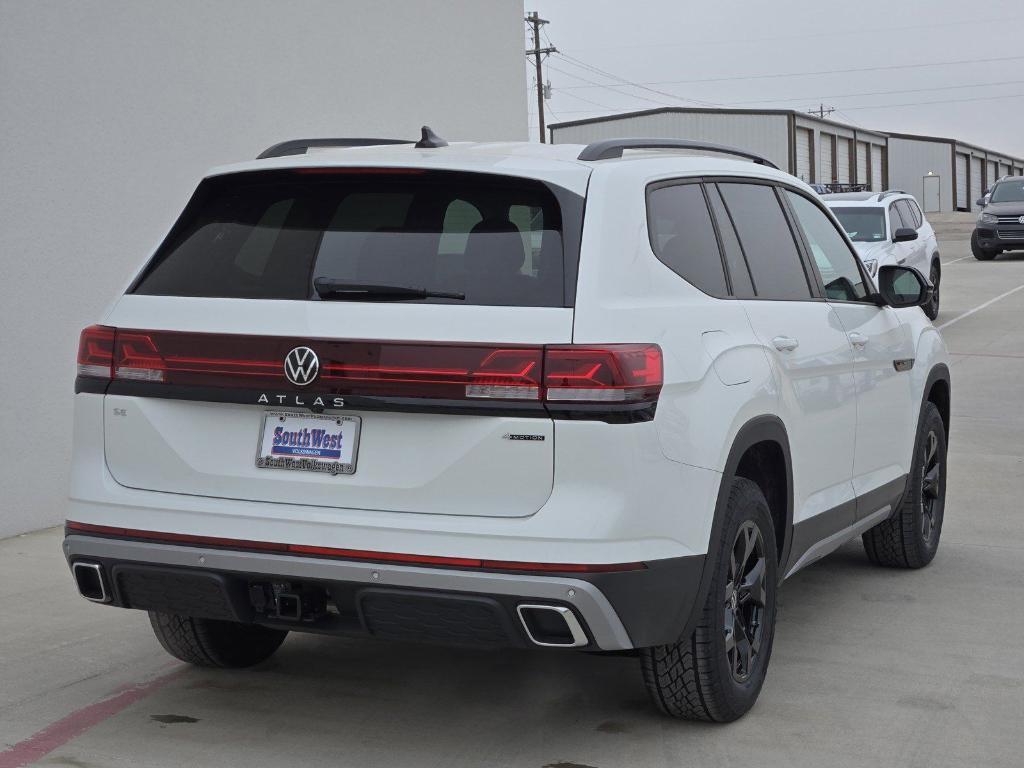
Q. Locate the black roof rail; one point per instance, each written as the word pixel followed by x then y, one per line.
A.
pixel 888 192
pixel 299 146
pixel 609 148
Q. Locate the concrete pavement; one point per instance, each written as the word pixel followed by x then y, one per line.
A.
pixel 871 666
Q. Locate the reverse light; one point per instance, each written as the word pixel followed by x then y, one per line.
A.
pixel 96 352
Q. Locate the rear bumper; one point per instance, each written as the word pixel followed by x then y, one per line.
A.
pixel 616 611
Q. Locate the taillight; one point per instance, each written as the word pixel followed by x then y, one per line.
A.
pixel 589 375
pixel 96 352
pixel 607 373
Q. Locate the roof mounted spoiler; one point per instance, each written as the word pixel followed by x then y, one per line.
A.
pixel 889 192
pixel 610 148
pixel 428 139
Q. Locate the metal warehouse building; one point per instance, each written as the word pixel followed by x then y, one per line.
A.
pixel 943 174
pixel 946 174
pixel 811 148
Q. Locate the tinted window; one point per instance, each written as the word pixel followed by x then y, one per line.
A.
pixel 836 263
pixel 907 214
pixel 863 225
pixel 683 237
pixel 739 274
pixel 1008 192
pixel 915 211
pixel 767 241
pixel 896 220
pixel 269 235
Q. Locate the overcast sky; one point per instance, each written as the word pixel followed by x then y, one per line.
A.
pixel 727 53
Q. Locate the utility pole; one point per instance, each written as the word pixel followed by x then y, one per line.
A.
pixel 535 21
pixel 821 111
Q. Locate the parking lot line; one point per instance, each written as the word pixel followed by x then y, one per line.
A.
pixel 58 734
pixel 954 261
pixel 980 307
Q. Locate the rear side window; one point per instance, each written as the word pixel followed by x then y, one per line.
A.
pixel 683 237
pixel 767 241
pixel 270 235
pixel 739 274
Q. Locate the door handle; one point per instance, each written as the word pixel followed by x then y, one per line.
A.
pixel 859 340
pixel 785 343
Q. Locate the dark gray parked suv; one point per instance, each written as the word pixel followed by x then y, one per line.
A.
pixel 1001 223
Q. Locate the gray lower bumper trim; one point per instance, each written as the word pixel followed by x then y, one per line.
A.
pixel 604 623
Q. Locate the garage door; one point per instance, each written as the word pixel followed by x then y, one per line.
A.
pixel 975 181
pixel 843 161
pixel 862 162
pixel 876 169
pixel 803 154
pixel 961 182
pixel 827 141
pixel 993 174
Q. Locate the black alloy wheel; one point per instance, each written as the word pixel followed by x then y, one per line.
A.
pixel 745 597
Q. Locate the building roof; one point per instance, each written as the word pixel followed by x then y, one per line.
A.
pixel 714 111
pixel 944 140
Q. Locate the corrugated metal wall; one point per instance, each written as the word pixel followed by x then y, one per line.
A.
pixel 767 135
pixel 911 160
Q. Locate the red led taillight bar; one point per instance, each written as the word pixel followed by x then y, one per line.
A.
pixel 563 374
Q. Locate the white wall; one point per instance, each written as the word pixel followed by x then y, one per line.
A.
pixel 111 111
pixel 910 160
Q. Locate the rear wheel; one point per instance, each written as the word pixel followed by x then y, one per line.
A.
pixel 932 307
pixel 209 643
pixel 910 538
pixel 716 673
pixel 981 254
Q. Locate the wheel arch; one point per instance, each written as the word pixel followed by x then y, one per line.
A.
pixel 938 391
pixel 761 444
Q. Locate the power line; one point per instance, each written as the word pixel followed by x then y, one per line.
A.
pixel 819 72
pixel 571 60
pixel 948 101
pixel 611 87
pixel 875 93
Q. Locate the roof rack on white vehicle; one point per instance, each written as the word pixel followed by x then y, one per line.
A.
pixel 611 148
pixel 428 140
pixel 888 193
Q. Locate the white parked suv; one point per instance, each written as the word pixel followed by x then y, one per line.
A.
pixel 889 228
pixel 498 395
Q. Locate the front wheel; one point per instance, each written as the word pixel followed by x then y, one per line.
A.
pixel 931 309
pixel 981 254
pixel 910 538
pixel 716 673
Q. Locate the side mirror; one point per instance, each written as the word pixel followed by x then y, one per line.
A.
pixel 904 234
pixel 903 287
pixel 982 201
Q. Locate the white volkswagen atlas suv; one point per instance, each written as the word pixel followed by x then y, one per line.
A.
pixel 889 228
pixel 601 398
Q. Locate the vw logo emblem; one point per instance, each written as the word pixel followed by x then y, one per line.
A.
pixel 1020 220
pixel 301 366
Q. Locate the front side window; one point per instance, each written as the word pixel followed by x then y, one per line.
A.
pixel 907 214
pixel 863 225
pixel 683 237
pixel 775 264
pixel 836 263
pixel 895 220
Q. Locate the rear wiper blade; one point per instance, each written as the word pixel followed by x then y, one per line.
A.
pixel 346 291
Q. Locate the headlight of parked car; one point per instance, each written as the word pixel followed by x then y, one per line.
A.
pixel 872 266
pixel 988 218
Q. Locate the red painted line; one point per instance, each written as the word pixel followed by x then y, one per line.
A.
pixel 58 734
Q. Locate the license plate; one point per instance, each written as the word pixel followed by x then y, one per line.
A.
pixel 309 442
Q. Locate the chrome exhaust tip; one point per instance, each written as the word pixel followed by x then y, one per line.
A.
pixel 552 626
pixel 90 581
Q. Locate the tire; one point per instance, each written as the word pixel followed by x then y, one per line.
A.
pixel 935 276
pixel 910 538
pixel 981 254
pixel 697 677
pixel 209 643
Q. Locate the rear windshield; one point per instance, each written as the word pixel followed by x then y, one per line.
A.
pixel 863 225
pixel 270 235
